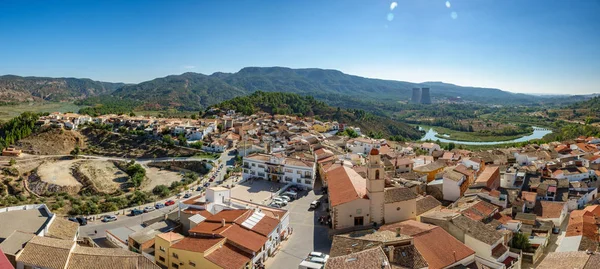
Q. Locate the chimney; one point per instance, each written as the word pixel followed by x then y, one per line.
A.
pixel 398 234
pixel 391 253
pixel 223 223
pixel 454 254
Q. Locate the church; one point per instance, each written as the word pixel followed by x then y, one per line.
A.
pixel 356 201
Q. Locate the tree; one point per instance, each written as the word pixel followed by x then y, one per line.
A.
pixel 161 190
pixel 75 151
pixel 12 162
pixel 521 241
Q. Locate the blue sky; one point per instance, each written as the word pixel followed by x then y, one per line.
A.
pixel 550 46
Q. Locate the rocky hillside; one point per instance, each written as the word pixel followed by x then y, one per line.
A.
pixel 14 89
pixel 51 141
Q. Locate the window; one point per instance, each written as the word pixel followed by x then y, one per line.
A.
pixel 376 174
pixel 289 171
pixel 253 164
pixel 161 258
pixel 308 182
pixel 299 172
pixel 245 171
pixel 261 166
pixel 288 179
pixel 174 265
pixel 298 180
pixel 245 163
pixel 192 263
pixel 261 174
pixel 175 256
pixel 162 249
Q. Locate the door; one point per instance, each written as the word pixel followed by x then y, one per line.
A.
pixel 358 221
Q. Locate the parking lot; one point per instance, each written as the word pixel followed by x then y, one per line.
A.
pixel 308 235
pixel 257 191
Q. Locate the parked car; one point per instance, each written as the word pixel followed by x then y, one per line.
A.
pixel 187 195
pixel 73 219
pixel 199 188
pixel 280 200
pixel 159 206
pixel 287 199
pixel 136 212
pixel 318 255
pixel 291 194
pixel 315 204
pixel 556 230
pixel 170 202
pixel 109 218
pixel 316 260
pixel 275 204
pixel 148 209
pixel 280 203
pixel 206 184
pixel 82 221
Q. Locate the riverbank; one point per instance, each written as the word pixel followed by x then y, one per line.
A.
pixel 445 133
pixel 538 133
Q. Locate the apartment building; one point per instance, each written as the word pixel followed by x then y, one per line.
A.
pixel 278 168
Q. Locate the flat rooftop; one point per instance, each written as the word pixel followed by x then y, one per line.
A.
pixel 27 221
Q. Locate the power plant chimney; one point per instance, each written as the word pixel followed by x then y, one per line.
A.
pixel 425 98
pixel 416 96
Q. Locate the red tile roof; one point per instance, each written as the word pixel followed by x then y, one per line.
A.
pixel 229 257
pixel 529 196
pixel 595 209
pixel 582 223
pixel 245 238
pixel 228 215
pixel 197 244
pixel 440 249
pixel 4 263
pixel 341 189
pixel 266 225
pixel 210 228
pixel 549 210
pixel 202 212
pixel 489 175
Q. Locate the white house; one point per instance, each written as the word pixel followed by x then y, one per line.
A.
pixel 453 185
pixel 430 147
pixel 363 144
pixel 573 173
pixel 280 169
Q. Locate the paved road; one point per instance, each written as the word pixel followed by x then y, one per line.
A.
pixel 308 235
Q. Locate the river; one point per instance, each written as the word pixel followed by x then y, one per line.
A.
pixel 537 134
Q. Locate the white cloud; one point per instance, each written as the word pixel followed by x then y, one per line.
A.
pixel 188 67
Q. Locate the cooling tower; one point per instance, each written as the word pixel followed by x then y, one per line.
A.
pixel 416 97
pixel 425 98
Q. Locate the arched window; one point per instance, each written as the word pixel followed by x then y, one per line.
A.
pixel 376 174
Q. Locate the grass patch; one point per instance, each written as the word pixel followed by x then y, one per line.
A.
pixel 10 111
pixel 207 155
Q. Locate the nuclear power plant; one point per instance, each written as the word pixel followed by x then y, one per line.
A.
pixel 416 97
pixel 421 96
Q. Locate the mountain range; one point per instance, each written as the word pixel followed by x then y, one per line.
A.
pixel 15 89
pixel 193 91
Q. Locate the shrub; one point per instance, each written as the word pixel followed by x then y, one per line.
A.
pixel 161 190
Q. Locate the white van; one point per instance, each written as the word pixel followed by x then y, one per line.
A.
pixel 291 194
pixel 310 265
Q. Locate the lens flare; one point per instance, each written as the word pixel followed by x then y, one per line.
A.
pixel 390 17
pixel 448 4
pixel 393 5
pixel 454 15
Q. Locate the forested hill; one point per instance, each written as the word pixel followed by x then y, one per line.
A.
pixel 591 104
pixel 190 91
pixel 15 89
pixel 294 104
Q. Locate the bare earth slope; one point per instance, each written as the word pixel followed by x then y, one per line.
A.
pixel 51 142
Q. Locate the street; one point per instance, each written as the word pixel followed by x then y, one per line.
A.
pixel 308 235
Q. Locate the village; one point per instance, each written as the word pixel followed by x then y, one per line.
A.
pixel 307 196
